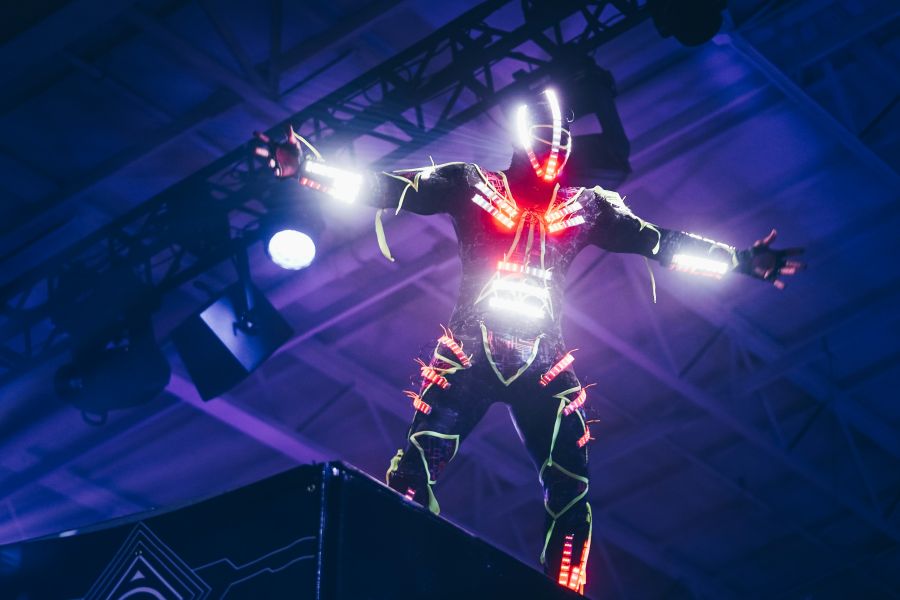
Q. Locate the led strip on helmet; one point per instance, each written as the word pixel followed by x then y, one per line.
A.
pixel 549 171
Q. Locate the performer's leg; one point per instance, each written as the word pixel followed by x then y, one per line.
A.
pixel 557 443
pixel 444 417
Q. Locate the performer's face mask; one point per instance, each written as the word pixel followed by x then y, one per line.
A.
pixel 542 136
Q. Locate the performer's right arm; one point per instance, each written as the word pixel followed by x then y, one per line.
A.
pixel 425 191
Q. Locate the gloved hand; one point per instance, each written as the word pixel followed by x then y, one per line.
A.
pixel 762 262
pixel 284 157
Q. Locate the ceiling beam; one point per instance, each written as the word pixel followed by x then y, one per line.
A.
pixel 252 423
pixel 818 115
pixel 54 33
pixel 713 406
pixel 205 67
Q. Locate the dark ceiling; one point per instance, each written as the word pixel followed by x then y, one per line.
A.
pixel 748 440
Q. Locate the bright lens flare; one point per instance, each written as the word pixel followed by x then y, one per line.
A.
pixel 523 126
pixel 290 249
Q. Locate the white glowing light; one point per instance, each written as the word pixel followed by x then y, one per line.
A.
pixel 342 184
pixel 68 533
pixel 492 210
pixel 426 173
pixel 504 205
pixel 560 225
pixel 700 266
pixel 290 249
pixel 520 268
pixel 568 209
pixel 520 287
pixel 523 126
pixel 517 306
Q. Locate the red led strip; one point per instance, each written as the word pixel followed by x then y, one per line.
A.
pixel 556 369
pixel 455 348
pixel 410 494
pixel 585 438
pixel 419 404
pixel 566 563
pixel 586 549
pixel 556 215
pixel 432 376
pixel 560 225
pixel 575 404
pixel 492 210
pixel 573 577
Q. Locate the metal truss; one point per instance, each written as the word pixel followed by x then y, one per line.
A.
pixel 454 74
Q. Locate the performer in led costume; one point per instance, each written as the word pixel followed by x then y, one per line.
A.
pixel 518 233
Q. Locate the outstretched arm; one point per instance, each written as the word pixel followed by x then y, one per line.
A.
pixel 617 229
pixel 424 191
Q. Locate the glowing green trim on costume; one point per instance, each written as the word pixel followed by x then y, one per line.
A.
pixel 530 242
pixel 379 235
pixel 515 242
pixel 563 401
pixel 395 465
pixel 522 369
pixel 455 365
pixel 410 183
pixel 652 278
pixel 573 502
pixel 433 505
pixel 306 143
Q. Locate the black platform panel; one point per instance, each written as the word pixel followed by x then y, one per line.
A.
pixel 316 532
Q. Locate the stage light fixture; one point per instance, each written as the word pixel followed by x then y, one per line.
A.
pixel 291 227
pixel 127 370
pixel 291 249
pixel 116 361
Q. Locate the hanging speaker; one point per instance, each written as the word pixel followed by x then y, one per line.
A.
pixel 229 339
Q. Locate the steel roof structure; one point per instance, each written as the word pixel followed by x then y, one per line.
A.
pixel 748 439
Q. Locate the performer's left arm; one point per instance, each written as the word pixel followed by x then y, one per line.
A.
pixel 618 229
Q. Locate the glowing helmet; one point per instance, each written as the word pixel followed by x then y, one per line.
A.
pixel 542 136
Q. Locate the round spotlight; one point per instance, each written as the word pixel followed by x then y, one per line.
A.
pixel 291 249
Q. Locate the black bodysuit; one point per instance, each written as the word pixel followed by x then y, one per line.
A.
pixel 503 342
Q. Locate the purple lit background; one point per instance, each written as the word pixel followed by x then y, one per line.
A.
pixel 719 477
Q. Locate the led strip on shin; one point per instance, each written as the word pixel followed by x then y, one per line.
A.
pixel 565 565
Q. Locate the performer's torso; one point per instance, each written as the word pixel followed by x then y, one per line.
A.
pixel 514 265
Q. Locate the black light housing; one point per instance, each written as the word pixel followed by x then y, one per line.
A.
pixel 691 22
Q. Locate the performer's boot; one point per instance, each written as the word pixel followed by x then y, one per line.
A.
pixel 568 547
pixel 568 539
